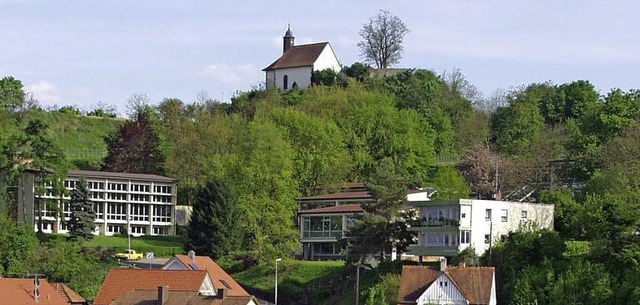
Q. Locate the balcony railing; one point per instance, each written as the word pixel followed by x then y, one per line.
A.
pixel 322 234
pixel 433 250
pixel 442 222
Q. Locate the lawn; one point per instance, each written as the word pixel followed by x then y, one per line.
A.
pixel 161 246
pixel 293 276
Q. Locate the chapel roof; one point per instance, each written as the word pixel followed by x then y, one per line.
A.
pixel 298 56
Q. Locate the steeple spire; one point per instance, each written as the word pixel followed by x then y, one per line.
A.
pixel 288 39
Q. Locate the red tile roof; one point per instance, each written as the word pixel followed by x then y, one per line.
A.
pixel 120 281
pixel 344 208
pixel 363 195
pixel 218 276
pixel 20 291
pixel 150 297
pixel 69 294
pixel 298 56
pixel 474 282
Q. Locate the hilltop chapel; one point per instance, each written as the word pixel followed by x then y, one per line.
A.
pixel 294 67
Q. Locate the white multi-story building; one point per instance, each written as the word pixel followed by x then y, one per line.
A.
pixel 450 226
pixel 143 204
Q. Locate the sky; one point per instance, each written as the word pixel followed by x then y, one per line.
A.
pixel 86 52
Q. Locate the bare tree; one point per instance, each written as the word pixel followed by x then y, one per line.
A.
pixel 382 37
pixel 136 104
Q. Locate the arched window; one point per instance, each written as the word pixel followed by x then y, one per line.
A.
pixel 285 82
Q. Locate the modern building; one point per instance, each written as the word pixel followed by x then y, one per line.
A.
pixel 142 204
pixel 325 219
pixel 423 285
pixel 447 227
pixel 297 63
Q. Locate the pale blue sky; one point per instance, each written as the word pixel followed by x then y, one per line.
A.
pixel 82 52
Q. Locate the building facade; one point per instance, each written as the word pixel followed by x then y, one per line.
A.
pixel 141 204
pixel 446 227
pixel 325 219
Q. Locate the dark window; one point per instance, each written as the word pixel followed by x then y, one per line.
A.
pixel 285 82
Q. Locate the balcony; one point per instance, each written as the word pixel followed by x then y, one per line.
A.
pixel 335 234
pixel 433 250
pixel 435 224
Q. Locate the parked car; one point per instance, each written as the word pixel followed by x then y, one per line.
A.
pixel 130 254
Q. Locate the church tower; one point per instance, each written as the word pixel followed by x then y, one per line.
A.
pixel 287 40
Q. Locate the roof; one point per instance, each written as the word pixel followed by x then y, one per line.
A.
pixel 150 296
pixel 69 294
pixel 20 291
pixel 362 195
pixel 218 276
pixel 119 176
pixel 298 56
pixel 474 282
pixel 120 281
pixel 343 208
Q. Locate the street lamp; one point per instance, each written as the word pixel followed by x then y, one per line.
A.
pixel 276 298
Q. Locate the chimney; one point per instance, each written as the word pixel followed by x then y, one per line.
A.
pixel 163 295
pixel 443 263
pixel 222 293
pixel 192 255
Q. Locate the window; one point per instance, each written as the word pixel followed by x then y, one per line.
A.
pixel 505 215
pixel 139 230
pixel 285 82
pixel 465 237
pixel 161 213
pixel 96 185
pixel 523 214
pixel 160 231
pixel 99 208
pixel 116 211
pixel 487 214
pixel 487 238
pixel 464 215
pixel 114 229
pixel 140 212
pixel 162 189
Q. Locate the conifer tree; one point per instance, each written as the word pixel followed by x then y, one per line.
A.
pixel 83 215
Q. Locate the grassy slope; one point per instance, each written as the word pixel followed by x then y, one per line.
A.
pixel 293 276
pixel 81 138
pixel 161 246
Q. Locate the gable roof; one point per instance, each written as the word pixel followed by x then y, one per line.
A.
pixel 69 294
pixel 474 282
pixel 360 195
pixel 343 208
pixel 20 291
pixel 220 278
pixel 150 297
pixel 298 56
pixel 120 281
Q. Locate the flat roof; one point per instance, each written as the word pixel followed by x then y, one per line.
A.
pixel 119 176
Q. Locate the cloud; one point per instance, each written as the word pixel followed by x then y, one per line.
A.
pixel 44 92
pixel 228 74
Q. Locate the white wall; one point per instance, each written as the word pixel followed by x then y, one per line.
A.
pixel 327 60
pixel 540 214
pixel 300 75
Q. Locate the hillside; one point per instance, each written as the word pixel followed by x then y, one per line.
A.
pixel 81 138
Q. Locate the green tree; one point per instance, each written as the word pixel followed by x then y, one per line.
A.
pixel 450 184
pixel 82 220
pixel 215 227
pixel 11 93
pixel 18 248
pixel 516 126
pixel 326 77
pixel 135 148
pixel 382 38
pixel 321 157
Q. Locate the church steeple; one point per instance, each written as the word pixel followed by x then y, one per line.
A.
pixel 288 39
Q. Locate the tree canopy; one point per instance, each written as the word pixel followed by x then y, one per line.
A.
pixel 382 38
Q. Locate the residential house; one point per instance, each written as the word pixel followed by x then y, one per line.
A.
pixel 72 297
pixel 142 204
pixel 220 279
pixel 24 292
pixel 158 286
pixel 447 227
pixel 422 285
pixel 324 219
pixel 298 62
